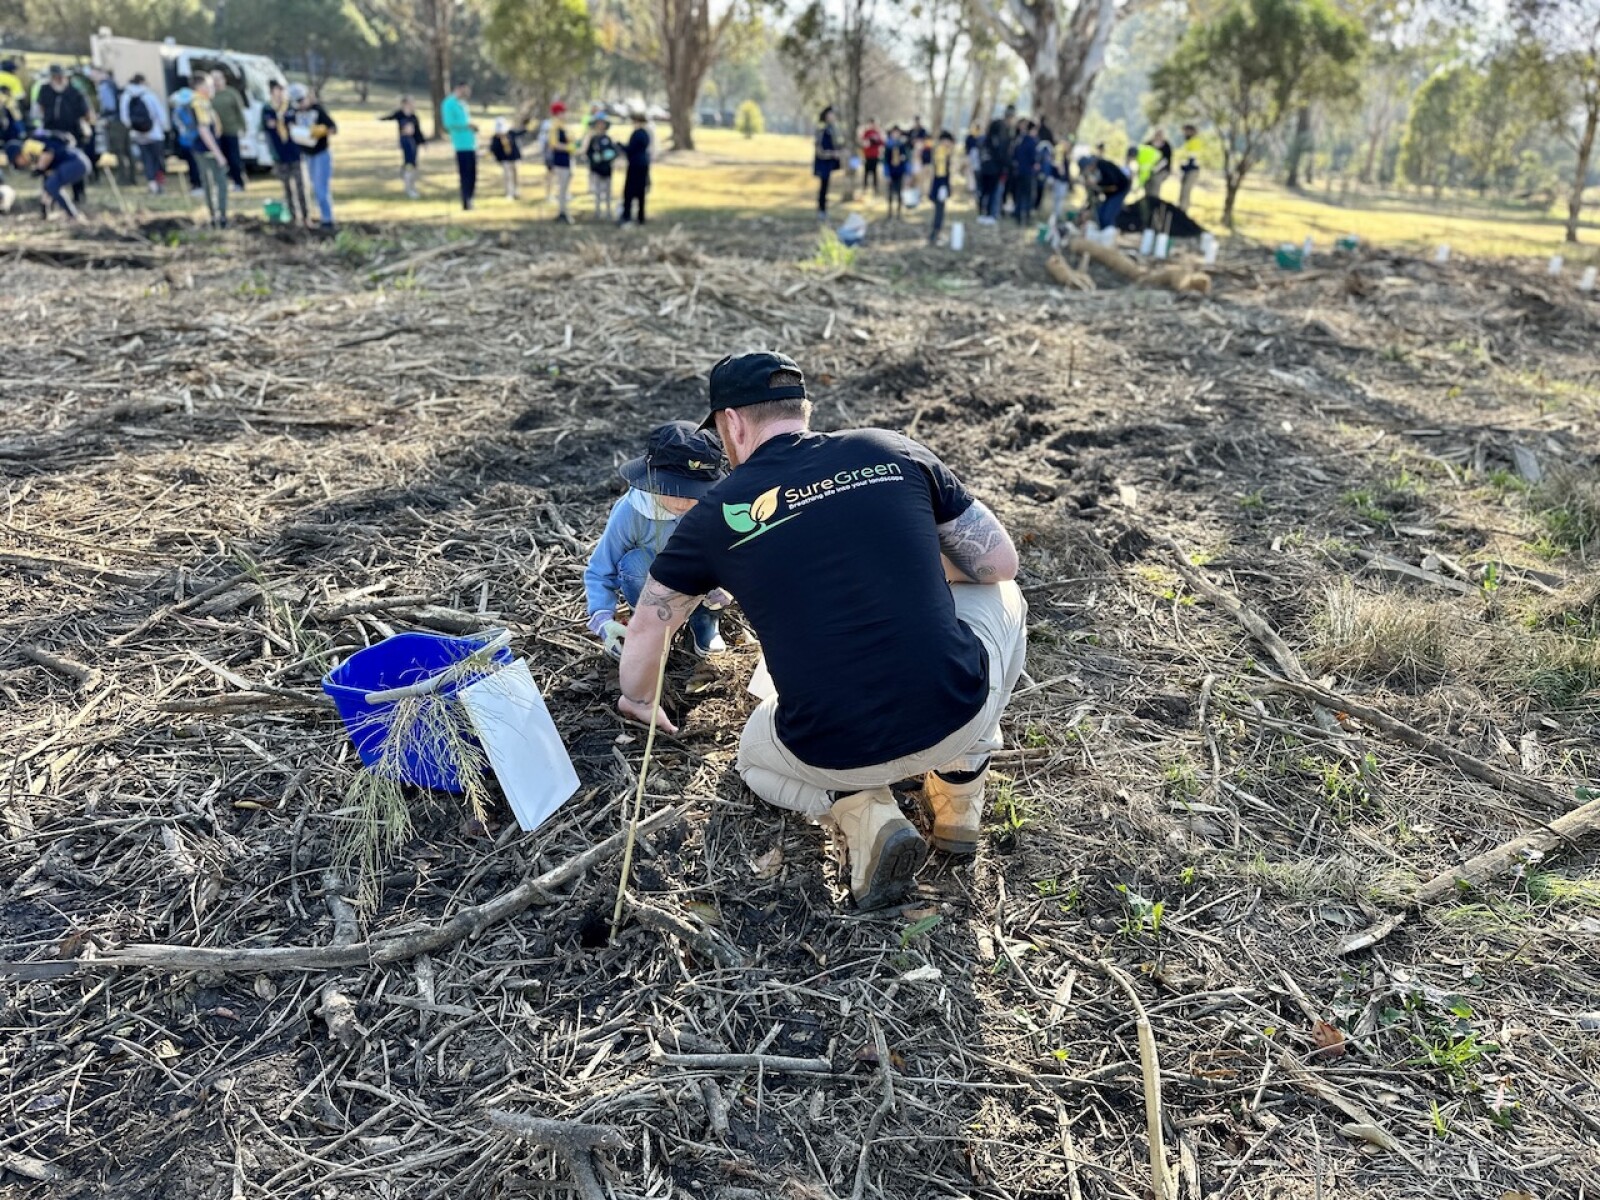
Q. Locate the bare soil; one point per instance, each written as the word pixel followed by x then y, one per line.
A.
pixel 331 441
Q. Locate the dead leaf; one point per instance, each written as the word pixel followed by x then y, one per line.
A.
pixel 206 891
pixel 1374 1134
pixel 1516 1196
pixel 166 1051
pixel 869 1054
pixel 264 987
pixel 919 914
pixel 72 944
pixel 705 913
pixel 769 865
pixel 1329 1040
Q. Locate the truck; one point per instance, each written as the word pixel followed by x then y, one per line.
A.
pixel 167 66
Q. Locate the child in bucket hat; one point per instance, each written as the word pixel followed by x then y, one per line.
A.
pixel 680 464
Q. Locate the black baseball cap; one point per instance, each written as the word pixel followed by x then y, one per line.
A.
pixel 678 460
pixel 754 378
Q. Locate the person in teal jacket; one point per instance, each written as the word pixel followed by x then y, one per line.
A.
pixel 463 133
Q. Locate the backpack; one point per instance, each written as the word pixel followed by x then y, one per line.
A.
pixel 187 125
pixel 139 119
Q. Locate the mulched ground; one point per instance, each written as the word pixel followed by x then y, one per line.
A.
pixel 228 461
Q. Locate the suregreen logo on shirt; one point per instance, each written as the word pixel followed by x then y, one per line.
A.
pixel 755 518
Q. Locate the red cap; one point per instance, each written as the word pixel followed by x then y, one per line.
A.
pixel 557 109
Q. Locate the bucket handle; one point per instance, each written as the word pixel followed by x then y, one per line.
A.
pixel 432 684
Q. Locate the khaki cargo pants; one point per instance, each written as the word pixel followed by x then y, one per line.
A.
pixel 998 614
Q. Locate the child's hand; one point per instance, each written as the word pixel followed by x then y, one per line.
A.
pixel 611 635
pixel 605 626
pixel 717 599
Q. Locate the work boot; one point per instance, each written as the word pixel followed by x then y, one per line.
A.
pixel 884 848
pixel 957 810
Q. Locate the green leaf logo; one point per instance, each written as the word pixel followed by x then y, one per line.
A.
pixel 738 517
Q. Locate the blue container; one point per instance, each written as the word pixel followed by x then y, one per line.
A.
pixel 399 661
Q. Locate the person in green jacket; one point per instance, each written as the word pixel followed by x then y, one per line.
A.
pixel 457 120
pixel 228 103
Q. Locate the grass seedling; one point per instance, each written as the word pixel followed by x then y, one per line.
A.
pixel 918 928
pixel 832 254
pixel 1144 916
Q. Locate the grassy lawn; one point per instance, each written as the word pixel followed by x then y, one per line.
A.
pixel 729 175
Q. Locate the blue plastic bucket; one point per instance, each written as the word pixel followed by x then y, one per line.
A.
pixel 400 661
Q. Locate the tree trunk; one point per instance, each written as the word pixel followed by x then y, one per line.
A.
pixel 1062 62
pixel 1373 143
pixel 689 41
pixel 1297 147
pixel 1580 173
pixel 436 18
pixel 1230 191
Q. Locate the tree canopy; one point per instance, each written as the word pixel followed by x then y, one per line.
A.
pixel 1251 65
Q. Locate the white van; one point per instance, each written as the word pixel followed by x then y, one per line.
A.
pixel 168 66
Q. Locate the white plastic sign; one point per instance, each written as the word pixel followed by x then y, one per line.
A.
pixel 527 754
pixel 761 685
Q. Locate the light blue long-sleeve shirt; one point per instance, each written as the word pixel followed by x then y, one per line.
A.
pixel 626 529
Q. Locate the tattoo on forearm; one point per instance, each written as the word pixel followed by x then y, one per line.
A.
pixel 667 603
pixel 970 538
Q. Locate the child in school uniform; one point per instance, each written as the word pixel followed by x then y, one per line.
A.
pixel 680 464
pixel 409 127
pixel 558 146
pixel 896 166
pixel 944 153
pixel 506 146
pixel 601 152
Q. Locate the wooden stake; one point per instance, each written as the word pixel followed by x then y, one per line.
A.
pixel 638 797
pixel 1162 1181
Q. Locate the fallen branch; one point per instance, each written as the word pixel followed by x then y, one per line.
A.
pixel 1581 822
pixel 336 1008
pixel 778 1064
pixel 181 606
pixel 83 678
pixel 381 951
pixel 1484 772
pixel 574 1142
pixel 706 943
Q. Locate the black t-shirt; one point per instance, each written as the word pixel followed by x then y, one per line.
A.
pixel 828 542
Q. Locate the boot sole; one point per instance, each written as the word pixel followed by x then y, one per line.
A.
pixel 960 847
pixel 899 852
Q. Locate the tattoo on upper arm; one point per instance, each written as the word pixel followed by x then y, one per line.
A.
pixel 667 603
pixel 970 538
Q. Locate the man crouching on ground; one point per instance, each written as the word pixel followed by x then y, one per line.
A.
pixel 884 596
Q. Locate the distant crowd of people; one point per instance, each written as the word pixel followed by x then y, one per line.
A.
pixel 66 128
pixel 1010 168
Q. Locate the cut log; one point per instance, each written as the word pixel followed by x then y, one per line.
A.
pixel 574 1142
pixel 1173 278
pixel 1056 267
